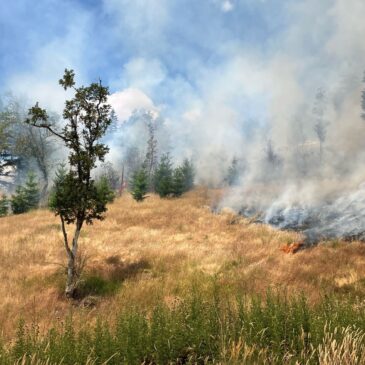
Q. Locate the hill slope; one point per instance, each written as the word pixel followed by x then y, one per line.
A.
pixel 151 251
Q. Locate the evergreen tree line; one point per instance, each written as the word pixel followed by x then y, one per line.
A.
pixel 165 180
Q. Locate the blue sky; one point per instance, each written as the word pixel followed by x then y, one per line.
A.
pixel 218 69
pixel 177 32
pixel 166 55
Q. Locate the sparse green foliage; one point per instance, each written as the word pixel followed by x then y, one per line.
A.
pixel 76 197
pixel 22 147
pixel 4 131
pixel 163 177
pixel 4 206
pixel 189 174
pixel 68 79
pixel 108 171
pixel 11 137
pixel 139 184
pixel 151 154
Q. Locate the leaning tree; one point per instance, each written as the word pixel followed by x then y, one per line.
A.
pixel 76 198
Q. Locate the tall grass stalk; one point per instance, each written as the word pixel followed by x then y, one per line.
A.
pixel 205 328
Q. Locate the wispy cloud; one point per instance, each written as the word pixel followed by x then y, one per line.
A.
pixel 227 5
pixel 226 74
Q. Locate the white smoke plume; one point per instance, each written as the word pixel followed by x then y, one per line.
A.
pixel 286 103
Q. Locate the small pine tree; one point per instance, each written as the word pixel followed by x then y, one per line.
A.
pixel 18 201
pixel 178 182
pixel 104 191
pixel 4 206
pixel 139 184
pixel 163 177
pixel 31 191
pixel 26 197
pixel 189 174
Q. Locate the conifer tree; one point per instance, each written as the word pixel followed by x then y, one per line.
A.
pixel 76 198
pixel 104 189
pixel 163 176
pixel 31 191
pixel 178 182
pixel 27 196
pixel 139 184
pixel 18 201
pixel 4 206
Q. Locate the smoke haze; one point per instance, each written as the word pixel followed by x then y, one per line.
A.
pixel 275 84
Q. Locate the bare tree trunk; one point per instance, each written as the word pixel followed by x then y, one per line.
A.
pixel 121 189
pixel 72 274
pixel 44 193
pixel 71 282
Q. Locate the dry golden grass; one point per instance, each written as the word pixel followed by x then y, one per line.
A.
pixel 155 249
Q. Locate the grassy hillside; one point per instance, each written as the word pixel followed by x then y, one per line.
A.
pixel 155 253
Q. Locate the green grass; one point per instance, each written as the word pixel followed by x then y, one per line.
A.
pixel 203 328
pixel 96 285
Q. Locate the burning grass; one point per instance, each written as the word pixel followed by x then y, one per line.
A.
pixel 149 253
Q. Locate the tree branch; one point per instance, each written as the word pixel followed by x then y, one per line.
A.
pixel 48 127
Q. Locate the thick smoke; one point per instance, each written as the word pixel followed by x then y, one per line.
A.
pixel 310 176
pixel 283 98
pixel 291 114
